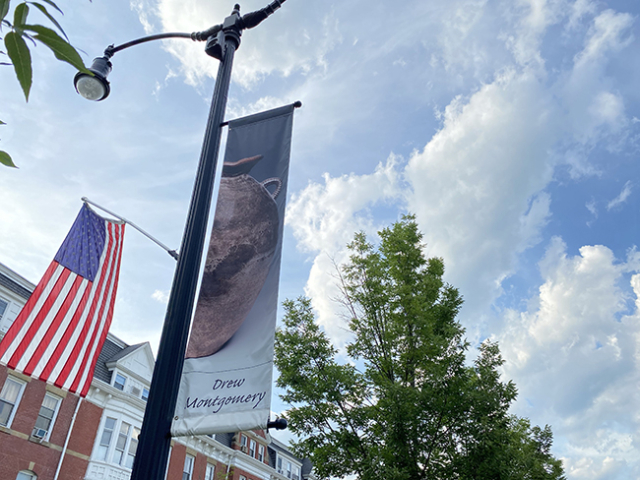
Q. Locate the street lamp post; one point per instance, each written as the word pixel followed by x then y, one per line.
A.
pixel 222 42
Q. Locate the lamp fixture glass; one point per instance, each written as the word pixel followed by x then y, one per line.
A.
pixel 91 88
pixel 94 87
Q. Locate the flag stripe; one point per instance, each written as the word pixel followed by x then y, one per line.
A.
pixel 80 345
pixel 61 336
pixel 70 302
pixel 83 387
pixel 79 368
pixel 22 323
pixel 81 324
pixel 49 302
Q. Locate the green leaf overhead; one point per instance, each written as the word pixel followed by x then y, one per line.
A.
pixel 53 5
pixel 4 8
pixel 5 159
pixel 20 16
pixel 44 10
pixel 21 58
pixel 60 48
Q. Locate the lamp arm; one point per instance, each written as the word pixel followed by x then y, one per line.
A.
pixel 253 19
pixel 250 20
pixel 195 36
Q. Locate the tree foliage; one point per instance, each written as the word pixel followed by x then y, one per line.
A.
pixel 17 41
pixel 415 409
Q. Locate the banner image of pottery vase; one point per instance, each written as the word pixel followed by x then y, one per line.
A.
pixel 227 373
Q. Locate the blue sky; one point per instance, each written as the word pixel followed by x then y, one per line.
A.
pixel 510 128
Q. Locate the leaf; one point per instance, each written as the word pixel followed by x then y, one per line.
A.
pixel 53 5
pixel 43 9
pixel 4 8
pixel 5 159
pixel 2 123
pixel 21 59
pixel 20 16
pixel 60 48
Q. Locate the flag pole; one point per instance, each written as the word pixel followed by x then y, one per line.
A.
pixel 171 252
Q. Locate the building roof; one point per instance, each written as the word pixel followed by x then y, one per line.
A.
pixel 124 352
pixel 14 286
pixel 109 350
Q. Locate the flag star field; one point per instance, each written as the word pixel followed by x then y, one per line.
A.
pixel 510 128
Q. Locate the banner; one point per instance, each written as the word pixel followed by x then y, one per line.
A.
pixel 59 333
pixel 227 373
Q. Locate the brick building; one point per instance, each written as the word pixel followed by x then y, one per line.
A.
pixel 36 420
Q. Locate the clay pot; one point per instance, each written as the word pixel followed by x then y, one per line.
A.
pixel 242 246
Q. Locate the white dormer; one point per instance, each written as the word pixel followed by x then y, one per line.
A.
pixel 132 369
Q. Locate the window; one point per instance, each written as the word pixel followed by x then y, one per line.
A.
pixel 120 381
pixel 46 417
pixel 279 465
pixel 3 307
pixel 9 398
pixel 252 448
pixel 243 441
pixel 209 472
pixel 123 436
pixel 261 453
pixel 105 440
pixel 145 394
pixel 242 477
pixel 288 469
pixel 188 467
pixel 133 446
pixel 296 473
pixel 26 475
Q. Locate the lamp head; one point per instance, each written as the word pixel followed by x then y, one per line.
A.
pixel 96 86
pixel 278 424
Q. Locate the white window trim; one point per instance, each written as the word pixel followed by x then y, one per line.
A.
pixel 6 309
pixel 193 461
pixel 23 385
pixel 113 380
pixel 210 467
pixel 261 452
pixel 55 415
pixel 112 446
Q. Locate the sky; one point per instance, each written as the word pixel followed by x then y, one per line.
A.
pixel 510 128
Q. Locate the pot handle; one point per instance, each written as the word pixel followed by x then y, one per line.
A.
pixel 273 181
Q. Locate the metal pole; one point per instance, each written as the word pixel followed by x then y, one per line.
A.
pixel 155 437
pixel 66 440
pixel 171 252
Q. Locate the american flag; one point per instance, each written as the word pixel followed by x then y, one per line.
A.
pixel 59 333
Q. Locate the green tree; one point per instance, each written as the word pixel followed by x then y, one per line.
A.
pixel 17 46
pixel 416 409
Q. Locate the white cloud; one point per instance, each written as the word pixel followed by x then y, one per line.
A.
pixel 477 187
pixel 305 34
pixel 574 355
pixel 607 34
pixel 622 197
pixel 160 296
pixel 324 219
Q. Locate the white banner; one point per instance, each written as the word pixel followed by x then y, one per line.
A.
pixel 227 374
